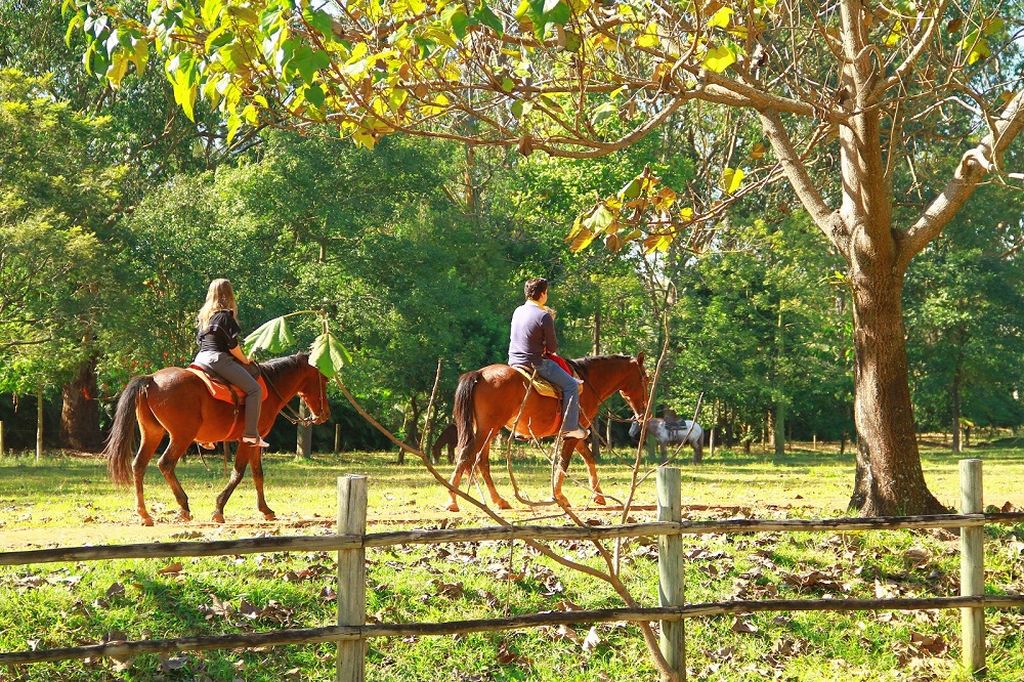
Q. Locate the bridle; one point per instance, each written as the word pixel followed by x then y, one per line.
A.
pixel 287 411
pixel 644 386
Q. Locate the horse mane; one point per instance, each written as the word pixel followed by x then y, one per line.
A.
pixel 274 368
pixel 583 365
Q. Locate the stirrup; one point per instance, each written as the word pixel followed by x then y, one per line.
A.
pixel 255 440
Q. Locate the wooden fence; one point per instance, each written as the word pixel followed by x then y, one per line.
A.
pixel 351 541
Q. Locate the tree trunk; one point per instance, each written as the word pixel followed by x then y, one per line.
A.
pixel 780 429
pixel 779 420
pixel 39 423
pixel 889 480
pixel 80 412
pixel 954 395
pixel 595 427
pixel 303 435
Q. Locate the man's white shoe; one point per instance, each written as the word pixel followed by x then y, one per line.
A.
pixel 576 433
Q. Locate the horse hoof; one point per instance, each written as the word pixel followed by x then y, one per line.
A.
pixel 270 516
pixel 599 499
pixel 184 516
pixel 453 507
pixel 562 501
pixel 502 504
pixel 218 518
pixel 146 521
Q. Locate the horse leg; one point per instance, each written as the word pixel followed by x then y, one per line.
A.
pixel 462 464
pixel 241 461
pixel 583 446
pixel 698 452
pixel 175 449
pixel 484 467
pixel 151 436
pixel 257 479
pixel 559 477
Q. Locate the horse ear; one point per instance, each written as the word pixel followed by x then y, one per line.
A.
pixel 640 358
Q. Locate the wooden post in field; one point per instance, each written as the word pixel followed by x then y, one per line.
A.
pixel 670 572
pixel 972 567
pixel 711 442
pixel 39 423
pixel 352 577
pixel 303 435
pixel 337 438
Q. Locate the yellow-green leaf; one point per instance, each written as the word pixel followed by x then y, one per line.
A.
pixel 720 58
pixel 658 242
pixel 583 240
pixel 731 179
pixel 720 19
pixel 649 38
pixel 328 355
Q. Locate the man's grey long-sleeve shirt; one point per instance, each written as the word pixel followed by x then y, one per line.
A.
pixel 533 333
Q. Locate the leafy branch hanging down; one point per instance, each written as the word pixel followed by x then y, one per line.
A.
pixel 327 354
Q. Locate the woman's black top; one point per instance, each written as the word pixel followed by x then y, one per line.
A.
pixel 221 334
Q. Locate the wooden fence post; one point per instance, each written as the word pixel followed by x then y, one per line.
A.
pixel 337 438
pixel 670 572
pixel 352 577
pixel 972 567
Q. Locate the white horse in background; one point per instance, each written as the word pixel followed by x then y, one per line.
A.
pixel 682 432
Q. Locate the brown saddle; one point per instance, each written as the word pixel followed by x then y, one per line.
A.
pixel 221 390
pixel 542 385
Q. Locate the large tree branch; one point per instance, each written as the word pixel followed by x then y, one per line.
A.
pixel 973 167
pixel 796 172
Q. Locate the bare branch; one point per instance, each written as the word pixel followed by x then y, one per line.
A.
pixel 796 172
pixel 973 167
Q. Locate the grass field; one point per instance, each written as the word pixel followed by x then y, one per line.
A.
pixel 67 500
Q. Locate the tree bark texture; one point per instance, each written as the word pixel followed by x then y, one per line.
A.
pixel 889 479
pixel 80 413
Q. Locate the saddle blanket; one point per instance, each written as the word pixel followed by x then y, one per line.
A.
pixel 224 391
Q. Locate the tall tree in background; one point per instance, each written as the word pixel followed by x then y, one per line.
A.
pixel 54 197
pixel 874 86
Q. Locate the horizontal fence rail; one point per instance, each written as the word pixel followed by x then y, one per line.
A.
pixel 351 632
pixel 333 543
pixel 334 633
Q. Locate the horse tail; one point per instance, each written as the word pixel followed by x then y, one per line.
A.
pixel 121 441
pixel 463 412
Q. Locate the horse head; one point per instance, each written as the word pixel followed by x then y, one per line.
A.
pixel 635 387
pixel 313 390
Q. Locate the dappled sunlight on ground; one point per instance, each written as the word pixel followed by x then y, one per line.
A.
pixel 70 500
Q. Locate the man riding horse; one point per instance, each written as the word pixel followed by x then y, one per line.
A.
pixel 498 396
pixel 532 342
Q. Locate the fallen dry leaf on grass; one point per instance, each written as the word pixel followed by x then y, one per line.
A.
pixel 171 569
pixel 743 626
pixel 591 641
pixel 506 656
pixel 934 645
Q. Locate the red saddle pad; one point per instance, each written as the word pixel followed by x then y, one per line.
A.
pixel 223 391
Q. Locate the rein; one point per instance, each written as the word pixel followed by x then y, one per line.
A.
pixel 287 411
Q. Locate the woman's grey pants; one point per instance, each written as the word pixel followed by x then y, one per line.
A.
pixel 230 370
pixel 550 370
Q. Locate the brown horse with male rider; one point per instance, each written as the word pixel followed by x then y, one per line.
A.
pixel 177 401
pixel 489 399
